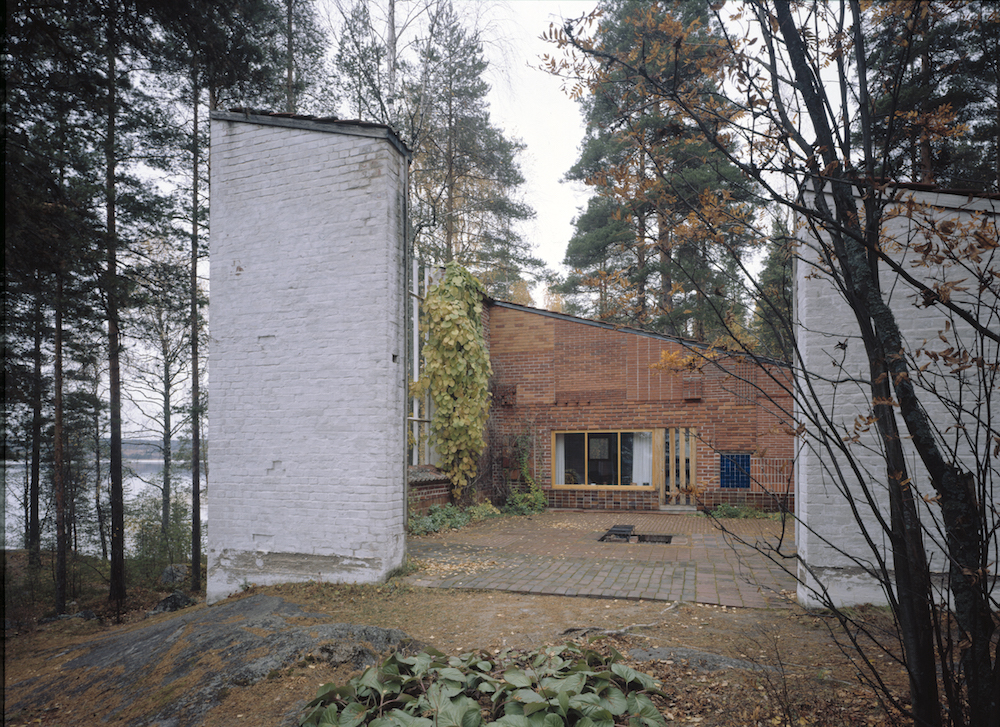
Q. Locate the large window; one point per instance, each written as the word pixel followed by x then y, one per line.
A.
pixel 604 458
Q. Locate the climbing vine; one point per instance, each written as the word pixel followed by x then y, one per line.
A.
pixel 456 373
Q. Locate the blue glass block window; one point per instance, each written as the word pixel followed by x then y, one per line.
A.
pixel 734 470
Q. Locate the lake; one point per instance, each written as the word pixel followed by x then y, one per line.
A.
pixel 138 473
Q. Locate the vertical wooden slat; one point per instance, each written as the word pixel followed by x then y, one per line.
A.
pixel 682 468
pixel 659 458
pixel 618 469
pixel 694 462
pixel 672 433
pixel 552 467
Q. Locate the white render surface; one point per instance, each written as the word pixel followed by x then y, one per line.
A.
pixel 830 543
pixel 307 356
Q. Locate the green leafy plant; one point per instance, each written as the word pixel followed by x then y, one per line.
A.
pixel 526 502
pixel 739 512
pixel 456 373
pixel 151 550
pixel 438 518
pixel 449 517
pixel 529 501
pixel 563 686
pixel 483 511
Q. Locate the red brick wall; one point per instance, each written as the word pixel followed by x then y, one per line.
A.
pixel 422 496
pixel 571 375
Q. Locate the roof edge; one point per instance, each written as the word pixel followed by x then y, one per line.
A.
pixel 689 343
pixel 327 124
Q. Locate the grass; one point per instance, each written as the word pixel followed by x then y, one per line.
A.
pixel 725 511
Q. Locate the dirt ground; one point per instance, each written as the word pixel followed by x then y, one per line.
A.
pixel 809 680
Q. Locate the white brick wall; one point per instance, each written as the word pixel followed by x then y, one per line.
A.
pixel 308 373
pixel 829 539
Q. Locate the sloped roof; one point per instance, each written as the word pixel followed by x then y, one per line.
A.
pixel 688 342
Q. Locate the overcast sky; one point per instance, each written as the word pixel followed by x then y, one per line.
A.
pixel 529 104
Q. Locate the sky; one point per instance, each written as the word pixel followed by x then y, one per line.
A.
pixel 530 105
pixel 525 102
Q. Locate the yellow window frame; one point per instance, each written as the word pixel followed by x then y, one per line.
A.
pixel 656 467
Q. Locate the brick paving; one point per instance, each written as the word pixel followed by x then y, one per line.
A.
pixel 559 553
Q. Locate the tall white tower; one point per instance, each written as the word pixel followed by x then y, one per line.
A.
pixel 307 442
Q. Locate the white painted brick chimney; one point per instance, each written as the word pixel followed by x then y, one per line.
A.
pixel 307 440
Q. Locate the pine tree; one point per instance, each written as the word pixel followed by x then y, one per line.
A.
pixel 684 202
pixel 160 366
pixel 604 259
pixel 218 53
pixel 801 77
pixel 51 237
pixel 465 174
pixel 88 90
pixel 465 171
pixel 936 71
pixel 772 319
pixel 361 61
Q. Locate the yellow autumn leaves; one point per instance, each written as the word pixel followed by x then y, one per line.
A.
pixel 456 373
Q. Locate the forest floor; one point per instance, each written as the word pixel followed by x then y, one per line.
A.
pixel 719 665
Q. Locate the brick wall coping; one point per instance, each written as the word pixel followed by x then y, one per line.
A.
pixel 426 474
pixel 328 124
pixel 636 331
pixel 925 187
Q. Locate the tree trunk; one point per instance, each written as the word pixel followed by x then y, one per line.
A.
pixel 58 464
pixel 881 338
pixel 195 331
pixel 98 478
pixel 449 181
pixel 166 445
pixel 641 272
pixel 390 47
pixel 289 62
pixel 449 185
pixel 666 279
pixel 926 153
pixel 116 592
pixel 34 525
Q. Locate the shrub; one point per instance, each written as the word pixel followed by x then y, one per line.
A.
pixel 526 502
pixel 561 686
pixel 739 512
pixel 483 511
pixel 150 552
pixel 438 518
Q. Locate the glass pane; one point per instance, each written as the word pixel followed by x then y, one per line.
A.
pixel 734 470
pixel 627 458
pixel 602 467
pixel 576 458
pixel 642 459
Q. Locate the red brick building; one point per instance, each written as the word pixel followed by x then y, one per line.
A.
pixel 577 404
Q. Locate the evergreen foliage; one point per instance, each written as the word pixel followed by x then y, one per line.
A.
pixel 772 317
pixel 936 103
pixel 904 450
pixel 465 169
pixel 101 103
pixel 660 245
pixel 465 174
